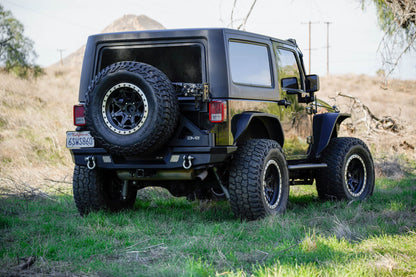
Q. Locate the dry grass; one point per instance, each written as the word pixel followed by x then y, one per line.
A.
pixel 343 230
pixel 35 114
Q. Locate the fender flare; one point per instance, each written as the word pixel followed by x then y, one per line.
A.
pixel 325 127
pixel 243 123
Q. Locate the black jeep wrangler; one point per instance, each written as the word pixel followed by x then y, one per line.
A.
pixel 207 113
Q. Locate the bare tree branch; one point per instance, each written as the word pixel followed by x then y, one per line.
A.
pixel 232 13
pixel 242 20
pixel 243 25
pixel 394 64
pixel 385 123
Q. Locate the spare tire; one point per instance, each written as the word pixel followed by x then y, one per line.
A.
pixel 131 108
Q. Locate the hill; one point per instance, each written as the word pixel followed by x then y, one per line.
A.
pixel 133 23
pixel 122 24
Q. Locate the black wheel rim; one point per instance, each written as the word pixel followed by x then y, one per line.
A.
pixel 272 184
pixel 355 175
pixel 124 108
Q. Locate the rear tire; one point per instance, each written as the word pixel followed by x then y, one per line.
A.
pixel 97 189
pixel 259 180
pixel 350 171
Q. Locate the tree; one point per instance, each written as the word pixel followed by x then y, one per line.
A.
pixel 397 18
pixel 16 51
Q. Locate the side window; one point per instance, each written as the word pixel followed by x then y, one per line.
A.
pixel 250 64
pixel 287 65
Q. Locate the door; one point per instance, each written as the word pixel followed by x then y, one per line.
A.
pixel 296 122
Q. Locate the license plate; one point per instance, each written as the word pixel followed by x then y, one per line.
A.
pixel 79 140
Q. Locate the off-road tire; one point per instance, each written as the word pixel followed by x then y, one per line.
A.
pixel 350 171
pixel 97 189
pixel 258 165
pixel 131 108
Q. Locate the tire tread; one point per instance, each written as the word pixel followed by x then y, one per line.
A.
pixel 245 178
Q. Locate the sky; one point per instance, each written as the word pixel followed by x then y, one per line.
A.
pixel 354 35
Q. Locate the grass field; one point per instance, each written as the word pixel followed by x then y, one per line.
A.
pixel 165 236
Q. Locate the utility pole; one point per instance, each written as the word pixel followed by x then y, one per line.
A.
pixel 310 42
pixel 60 51
pixel 327 47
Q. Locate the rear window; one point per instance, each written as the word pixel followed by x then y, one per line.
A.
pixel 250 64
pixel 181 63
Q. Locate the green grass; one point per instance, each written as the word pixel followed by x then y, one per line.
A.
pixel 164 236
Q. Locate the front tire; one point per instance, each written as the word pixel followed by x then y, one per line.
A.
pixel 350 171
pixel 98 189
pixel 259 180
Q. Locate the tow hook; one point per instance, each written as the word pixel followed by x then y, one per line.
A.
pixel 187 161
pixel 90 162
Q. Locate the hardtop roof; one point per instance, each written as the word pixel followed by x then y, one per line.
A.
pixel 182 33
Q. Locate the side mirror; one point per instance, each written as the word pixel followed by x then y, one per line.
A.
pixel 291 86
pixel 312 83
pixel 290 83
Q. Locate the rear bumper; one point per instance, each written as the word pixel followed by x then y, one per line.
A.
pixel 171 158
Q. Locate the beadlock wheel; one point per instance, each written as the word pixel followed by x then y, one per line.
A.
pixel 124 108
pixel 355 175
pixel 272 184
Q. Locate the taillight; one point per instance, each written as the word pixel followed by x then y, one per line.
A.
pixel 217 111
pixel 79 117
